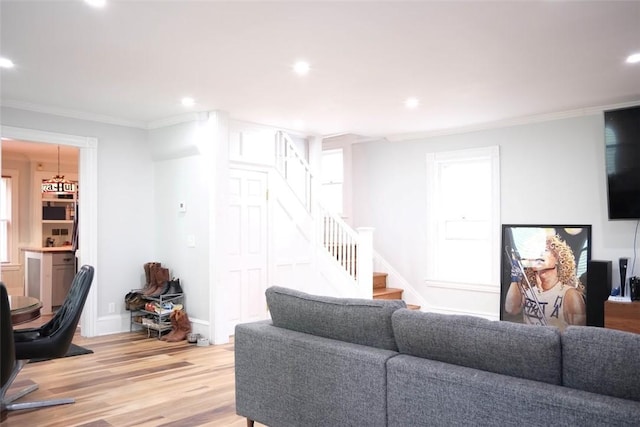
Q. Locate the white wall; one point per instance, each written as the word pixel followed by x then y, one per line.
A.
pixel 125 204
pixel 181 174
pixel 551 173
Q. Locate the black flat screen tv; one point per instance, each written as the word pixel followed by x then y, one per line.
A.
pixel 622 142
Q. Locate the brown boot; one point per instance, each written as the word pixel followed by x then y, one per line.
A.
pixel 152 289
pixel 156 274
pixel 149 273
pixel 183 326
pixel 174 325
pixel 146 267
pixel 162 276
pixel 162 283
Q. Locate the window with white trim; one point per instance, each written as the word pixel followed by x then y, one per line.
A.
pixel 6 226
pixel 463 216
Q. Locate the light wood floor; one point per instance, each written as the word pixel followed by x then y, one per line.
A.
pixel 132 380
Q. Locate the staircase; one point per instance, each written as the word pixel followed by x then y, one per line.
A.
pixel 381 291
pixel 342 243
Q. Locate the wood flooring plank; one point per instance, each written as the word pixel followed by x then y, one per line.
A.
pixel 132 380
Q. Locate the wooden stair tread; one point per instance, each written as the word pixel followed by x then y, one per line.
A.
pixel 380 290
pixel 387 293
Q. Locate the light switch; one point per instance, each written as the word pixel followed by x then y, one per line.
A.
pixel 182 207
pixel 191 241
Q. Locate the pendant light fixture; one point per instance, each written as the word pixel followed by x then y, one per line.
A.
pixel 58 184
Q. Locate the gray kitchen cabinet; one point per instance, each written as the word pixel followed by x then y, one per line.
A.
pixel 63 270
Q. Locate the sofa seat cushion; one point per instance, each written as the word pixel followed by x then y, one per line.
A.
pixel 358 321
pixel 514 349
pixel 603 361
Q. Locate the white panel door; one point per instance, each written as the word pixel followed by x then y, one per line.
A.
pixel 247 246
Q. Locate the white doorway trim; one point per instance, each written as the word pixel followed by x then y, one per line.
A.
pixel 88 208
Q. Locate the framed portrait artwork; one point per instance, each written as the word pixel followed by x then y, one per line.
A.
pixel 544 274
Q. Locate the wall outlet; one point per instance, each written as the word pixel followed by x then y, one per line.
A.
pixel 112 307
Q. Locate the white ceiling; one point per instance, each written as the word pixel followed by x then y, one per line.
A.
pixel 470 63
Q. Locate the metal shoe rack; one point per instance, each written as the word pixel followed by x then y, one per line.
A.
pixel 156 323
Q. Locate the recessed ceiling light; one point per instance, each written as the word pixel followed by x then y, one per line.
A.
pixel 96 3
pixel 633 59
pixel 301 68
pixel 6 63
pixel 411 102
pixel 188 102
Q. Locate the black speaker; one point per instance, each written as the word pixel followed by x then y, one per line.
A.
pixel 598 290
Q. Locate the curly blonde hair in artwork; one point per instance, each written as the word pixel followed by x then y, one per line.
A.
pixel 566 261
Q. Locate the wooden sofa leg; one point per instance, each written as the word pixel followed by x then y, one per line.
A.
pixel 249 422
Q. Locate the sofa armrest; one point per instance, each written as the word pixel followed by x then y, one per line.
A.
pixel 286 378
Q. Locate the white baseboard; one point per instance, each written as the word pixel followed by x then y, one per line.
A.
pixel 119 323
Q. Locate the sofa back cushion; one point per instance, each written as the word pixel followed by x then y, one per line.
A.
pixel 603 361
pixel 358 321
pixel 514 349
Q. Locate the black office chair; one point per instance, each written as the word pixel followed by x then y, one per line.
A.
pixel 51 340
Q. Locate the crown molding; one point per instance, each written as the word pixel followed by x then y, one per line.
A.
pixel 73 114
pixel 176 120
pixel 587 111
pixel 25 134
pixel 198 116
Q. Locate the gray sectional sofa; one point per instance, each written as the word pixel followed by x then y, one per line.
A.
pixel 323 361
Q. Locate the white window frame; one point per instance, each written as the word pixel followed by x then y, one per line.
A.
pixel 435 161
pixel 14 225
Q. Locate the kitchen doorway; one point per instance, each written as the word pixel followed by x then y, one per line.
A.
pixel 87 252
